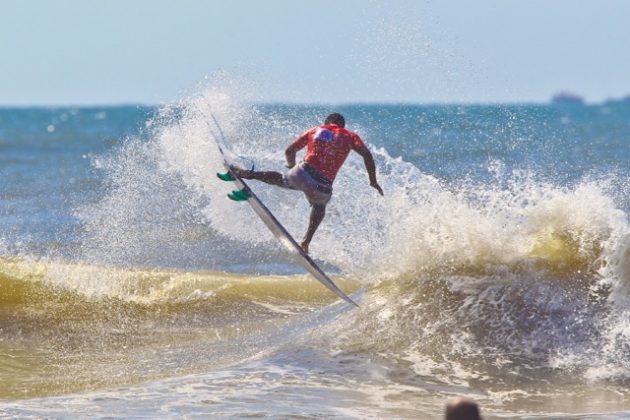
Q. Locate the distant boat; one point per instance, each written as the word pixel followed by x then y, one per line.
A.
pixel 567 98
pixel 624 100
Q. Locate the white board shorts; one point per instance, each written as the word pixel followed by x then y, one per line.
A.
pixel 317 191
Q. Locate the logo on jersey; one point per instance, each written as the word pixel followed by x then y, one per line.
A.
pixel 324 134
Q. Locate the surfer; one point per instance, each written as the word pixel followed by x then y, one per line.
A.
pixel 327 147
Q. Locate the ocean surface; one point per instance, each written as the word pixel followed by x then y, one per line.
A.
pixel 496 266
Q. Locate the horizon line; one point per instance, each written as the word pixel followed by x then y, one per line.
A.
pixel 294 103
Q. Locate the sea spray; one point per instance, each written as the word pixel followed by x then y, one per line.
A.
pixel 162 193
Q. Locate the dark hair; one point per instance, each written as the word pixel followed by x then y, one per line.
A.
pixel 335 118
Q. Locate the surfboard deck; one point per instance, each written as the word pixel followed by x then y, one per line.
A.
pixel 280 232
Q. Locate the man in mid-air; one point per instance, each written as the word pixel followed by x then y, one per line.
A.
pixel 327 147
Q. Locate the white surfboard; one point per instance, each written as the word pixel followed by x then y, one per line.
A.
pixel 285 237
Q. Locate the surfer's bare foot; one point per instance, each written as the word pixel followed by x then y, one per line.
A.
pixel 304 246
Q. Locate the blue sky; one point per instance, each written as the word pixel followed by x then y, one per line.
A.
pixel 325 51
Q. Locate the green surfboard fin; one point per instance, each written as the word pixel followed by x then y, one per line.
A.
pixel 225 176
pixel 240 195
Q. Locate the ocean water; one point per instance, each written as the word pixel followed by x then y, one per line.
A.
pixel 496 267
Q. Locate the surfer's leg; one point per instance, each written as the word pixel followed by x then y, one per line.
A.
pixel 269 177
pixel 318 211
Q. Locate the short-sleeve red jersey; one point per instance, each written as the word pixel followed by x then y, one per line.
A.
pixel 328 147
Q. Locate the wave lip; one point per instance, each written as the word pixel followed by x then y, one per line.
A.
pixel 25 281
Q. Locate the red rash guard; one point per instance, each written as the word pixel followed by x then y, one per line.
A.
pixel 328 147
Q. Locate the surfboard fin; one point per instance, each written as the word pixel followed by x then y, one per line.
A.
pixel 225 176
pixel 240 195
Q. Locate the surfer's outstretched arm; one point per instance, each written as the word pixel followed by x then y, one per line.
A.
pixel 370 167
pixel 290 154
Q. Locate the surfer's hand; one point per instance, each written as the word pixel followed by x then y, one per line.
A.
pixel 377 187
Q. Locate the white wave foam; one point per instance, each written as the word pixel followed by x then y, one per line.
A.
pixel 163 192
pixel 424 224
